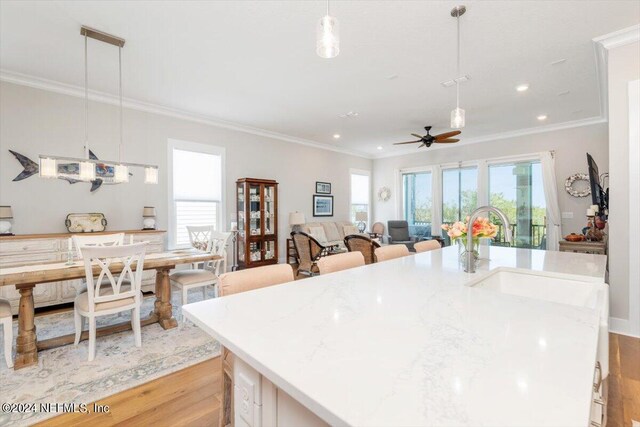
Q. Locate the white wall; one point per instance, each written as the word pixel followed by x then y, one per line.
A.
pixel 34 122
pixel 570 146
pixel 623 67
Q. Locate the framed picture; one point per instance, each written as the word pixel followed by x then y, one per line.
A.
pixel 322 205
pixel 323 187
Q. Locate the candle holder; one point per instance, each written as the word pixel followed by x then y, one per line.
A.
pixel 593 234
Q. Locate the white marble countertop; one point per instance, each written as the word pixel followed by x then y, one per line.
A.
pixel 404 342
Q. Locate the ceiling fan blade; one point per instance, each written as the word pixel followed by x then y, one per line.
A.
pixel 446 141
pixel 408 142
pixel 416 135
pixel 447 134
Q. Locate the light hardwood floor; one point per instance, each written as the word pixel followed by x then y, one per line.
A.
pixel 191 397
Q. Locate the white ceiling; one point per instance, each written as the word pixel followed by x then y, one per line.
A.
pixel 254 63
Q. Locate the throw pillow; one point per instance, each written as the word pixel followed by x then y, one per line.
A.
pixel 350 229
pixel 318 234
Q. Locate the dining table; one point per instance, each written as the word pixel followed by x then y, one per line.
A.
pixel 26 277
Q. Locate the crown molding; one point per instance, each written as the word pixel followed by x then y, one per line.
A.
pixel 505 135
pixel 106 98
pixel 601 47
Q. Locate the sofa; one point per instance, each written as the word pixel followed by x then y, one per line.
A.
pixel 331 233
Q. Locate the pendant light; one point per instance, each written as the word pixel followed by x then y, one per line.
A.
pixel 457 114
pixel 86 165
pixel 120 171
pixel 328 36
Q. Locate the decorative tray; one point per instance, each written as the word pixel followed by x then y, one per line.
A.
pixel 85 222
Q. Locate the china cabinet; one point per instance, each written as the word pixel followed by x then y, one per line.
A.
pixel 257 209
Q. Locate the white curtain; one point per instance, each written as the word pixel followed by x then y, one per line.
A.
pixel 554 219
pixel 436 201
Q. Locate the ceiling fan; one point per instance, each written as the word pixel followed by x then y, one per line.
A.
pixel 427 140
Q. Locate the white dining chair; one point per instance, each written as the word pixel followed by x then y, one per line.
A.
pixel 89 241
pixel 427 245
pixel 115 295
pixel 208 275
pixel 7 325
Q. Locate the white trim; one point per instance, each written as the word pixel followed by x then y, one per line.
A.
pixel 504 135
pixel 622 327
pixel 601 46
pixel 199 148
pixel 634 207
pixel 106 98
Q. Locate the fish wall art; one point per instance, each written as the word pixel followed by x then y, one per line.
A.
pixel 68 171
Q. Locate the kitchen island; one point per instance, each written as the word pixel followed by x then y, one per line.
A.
pixel 409 342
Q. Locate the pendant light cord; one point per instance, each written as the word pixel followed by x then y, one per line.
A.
pixel 328 14
pixel 86 99
pixel 121 147
pixel 458 62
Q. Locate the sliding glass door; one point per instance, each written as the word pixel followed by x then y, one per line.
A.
pixel 417 202
pixel 517 189
pixel 459 193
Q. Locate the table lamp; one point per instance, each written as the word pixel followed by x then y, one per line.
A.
pixel 296 219
pixel 149 215
pixel 6 215
pixel 361 217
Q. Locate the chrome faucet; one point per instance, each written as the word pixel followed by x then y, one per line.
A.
pixel 471 265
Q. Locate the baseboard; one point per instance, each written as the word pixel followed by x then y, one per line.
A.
pixel 622 327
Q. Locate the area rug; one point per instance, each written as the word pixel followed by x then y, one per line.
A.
pixel 63 375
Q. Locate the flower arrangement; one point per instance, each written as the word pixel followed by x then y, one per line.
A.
pixel 482 228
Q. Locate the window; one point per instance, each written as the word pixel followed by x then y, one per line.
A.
pixel 459 193
pixel 196 189
pixel 360 190
pixel 518 191
pixel 416 200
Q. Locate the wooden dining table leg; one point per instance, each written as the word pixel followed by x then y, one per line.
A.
pixel 27 340
pixel 162 306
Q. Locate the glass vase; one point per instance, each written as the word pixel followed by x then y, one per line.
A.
pixel 464 252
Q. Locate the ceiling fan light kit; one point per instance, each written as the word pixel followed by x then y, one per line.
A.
pixel 328 36
pixel 86 170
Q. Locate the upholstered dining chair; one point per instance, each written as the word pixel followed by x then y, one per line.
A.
pixel 309 252
pixel 209 273
pixel 234 283
pixel 339 262
pixel 7 326
pixel 362 244
pixel 427 245
pixel 386 253
pixel 377 229
pixel 102 299
pixel 88 241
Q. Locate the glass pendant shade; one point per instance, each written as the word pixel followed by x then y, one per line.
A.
pixel 121 173
pixel 150 175
pixel 328 37
pixel 87 171
pixel 457 118
pixel 48 168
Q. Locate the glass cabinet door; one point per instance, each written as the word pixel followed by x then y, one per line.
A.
pixel 255 208
pixel 269 210
pixel 269 250
pixel 241 209
pixel 255 252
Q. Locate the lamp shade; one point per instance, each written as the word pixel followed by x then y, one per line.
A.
pixel 6 212
pixel 361 216
pixel 296 218
pixel 149 212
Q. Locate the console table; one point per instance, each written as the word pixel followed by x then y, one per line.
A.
pixel 44 248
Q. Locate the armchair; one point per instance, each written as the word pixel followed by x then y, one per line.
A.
pixel 399 234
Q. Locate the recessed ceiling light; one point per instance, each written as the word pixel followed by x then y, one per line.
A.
pixel 564 92
pixel 350 114
pixel 379 147
pixel 336 136
pixel 542 117
pixel 559 61
pixel 523 87
pixel 391 77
